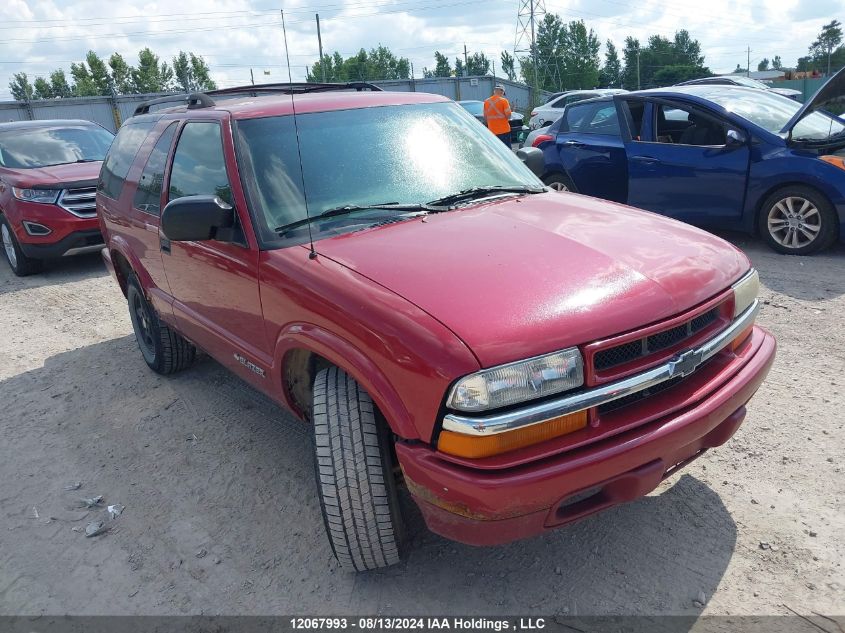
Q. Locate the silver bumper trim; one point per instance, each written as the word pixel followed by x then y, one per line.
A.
pixel 678 366
pixel 83 250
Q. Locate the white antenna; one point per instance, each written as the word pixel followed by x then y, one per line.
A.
pixel 313 253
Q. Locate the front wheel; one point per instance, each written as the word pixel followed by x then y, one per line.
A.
pixel 355 476
pixel 559 182
pixel 164 350
pixel 797 221
pixel 20 264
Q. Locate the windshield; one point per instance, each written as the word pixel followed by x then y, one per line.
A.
pixel 475 108
pixel 772 111
pixel 408 154
pixel 28 148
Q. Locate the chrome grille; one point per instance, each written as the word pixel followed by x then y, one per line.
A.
pixel 81 202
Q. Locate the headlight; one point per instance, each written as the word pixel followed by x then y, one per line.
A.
pixel 518 382
pixel 745 292
pixel 46 196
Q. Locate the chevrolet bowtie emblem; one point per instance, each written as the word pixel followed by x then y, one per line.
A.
pixel 686 363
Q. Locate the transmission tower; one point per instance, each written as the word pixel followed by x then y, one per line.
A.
pixel 528 19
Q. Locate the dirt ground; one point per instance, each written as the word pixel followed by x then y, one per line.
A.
pixel 221 514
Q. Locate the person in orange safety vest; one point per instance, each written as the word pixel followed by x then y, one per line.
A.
pixel 497 113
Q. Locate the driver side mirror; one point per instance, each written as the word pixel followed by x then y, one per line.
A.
pixel 734 138
pixel 533 159
pixel 197 218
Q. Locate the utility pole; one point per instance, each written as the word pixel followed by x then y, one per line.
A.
pixel 251 77
pixel 320 44
pixel 638 69
pixel 748 63
pixel 534 56
pixel 466 62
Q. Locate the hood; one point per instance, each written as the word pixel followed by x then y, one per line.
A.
pixel 832 92
pixel 530 275
pixel 55 176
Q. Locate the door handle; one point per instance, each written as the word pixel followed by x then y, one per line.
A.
pixel 645 160
pixel 164 243
pixel 573 143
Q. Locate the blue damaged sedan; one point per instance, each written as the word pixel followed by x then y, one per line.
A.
pixel 722 157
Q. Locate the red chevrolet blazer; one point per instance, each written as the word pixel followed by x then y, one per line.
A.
pixel 513 357
pixel 48 178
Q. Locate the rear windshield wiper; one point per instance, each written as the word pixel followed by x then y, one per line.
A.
pixel 349 208
pixel 481 192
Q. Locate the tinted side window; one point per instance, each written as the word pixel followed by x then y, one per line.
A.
pixel 121 156
pixel 148 194
pixel 592 118
pixel 198 165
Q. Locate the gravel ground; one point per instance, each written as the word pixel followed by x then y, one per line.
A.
pixel 221 514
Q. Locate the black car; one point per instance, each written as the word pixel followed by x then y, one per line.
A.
pixel 518 128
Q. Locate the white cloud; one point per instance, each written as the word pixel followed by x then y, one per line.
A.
pixel 236 35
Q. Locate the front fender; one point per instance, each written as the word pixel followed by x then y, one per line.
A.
pixel 354 362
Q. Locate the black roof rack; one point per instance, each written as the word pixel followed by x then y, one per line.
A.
pixel 203 99
pixel 295 88
pixel 194 100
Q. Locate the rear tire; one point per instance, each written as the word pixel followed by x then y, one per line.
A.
pixel 355 477
pixel 164 350
pixel 560 182
pixel 798 220
pixel 20 264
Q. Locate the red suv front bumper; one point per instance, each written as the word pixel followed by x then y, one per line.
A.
pixel 488 507
pixel 68 233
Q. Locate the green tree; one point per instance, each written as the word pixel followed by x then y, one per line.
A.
pixel 20 87
pixel 776 63
pixel 610 75
pixel 459 67
pixel 663 61
pixel 508 65
pixel 567 55
pixel 43 90
pixel 739 69
pixel 121 74
pixel 149 75
pixel 192 73
pixel 580 56
pixel 478 64
pixel 83 83
pixel 99 73
pixel 827 41
pixel 378 63
pixel 442 68
pixel 764 64
pixel 59 85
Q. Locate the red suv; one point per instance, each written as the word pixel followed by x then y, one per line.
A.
pixel 514 357
pixel 48 178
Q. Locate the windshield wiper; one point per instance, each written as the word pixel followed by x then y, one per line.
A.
pixel 480 192
pixel 349 208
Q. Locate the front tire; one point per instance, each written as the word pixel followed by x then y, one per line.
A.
pixel 559 182
pixel 20 264
pixel 164 350
pixel 354 470
pixel 797 220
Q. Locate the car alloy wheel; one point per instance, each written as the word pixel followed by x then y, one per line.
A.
pixel 558 186
pixel 794 222
pixel 8 246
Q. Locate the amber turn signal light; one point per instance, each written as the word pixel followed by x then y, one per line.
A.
pixel 739 340
pixel 478 446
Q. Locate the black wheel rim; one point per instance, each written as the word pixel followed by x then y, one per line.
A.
pixel 141 321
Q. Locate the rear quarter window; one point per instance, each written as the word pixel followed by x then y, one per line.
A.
pixel 148 194
pixel 121 156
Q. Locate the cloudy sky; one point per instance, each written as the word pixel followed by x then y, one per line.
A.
pixel 37 36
